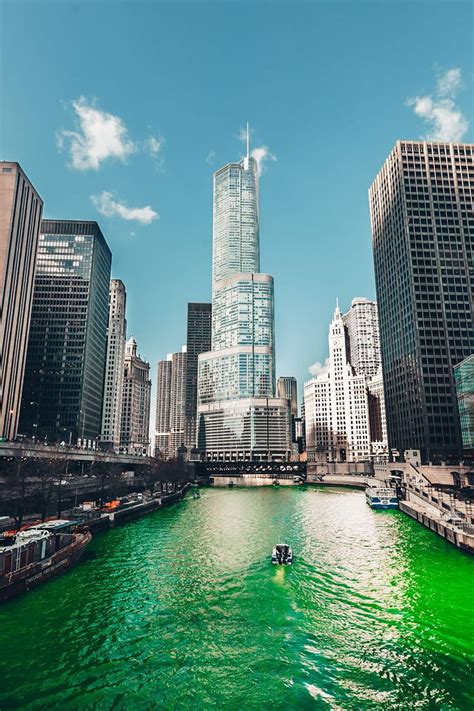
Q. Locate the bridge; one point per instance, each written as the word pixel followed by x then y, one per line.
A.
pixel 274 470
pixel 41 451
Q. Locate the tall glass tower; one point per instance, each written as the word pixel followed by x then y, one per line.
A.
pixel 239 417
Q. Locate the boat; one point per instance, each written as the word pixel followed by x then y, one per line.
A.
pixel 381 497
pixel 282 554
pixel 33 555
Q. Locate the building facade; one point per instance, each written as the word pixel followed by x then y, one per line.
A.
pixel 422 232
pixel 65 366
pixel 177 401
pixel 238 374
pixel 20 218
pixel 362 326
pixel 136 394
pixel 116 336
pixel 337 406
pixel 363 343
pixel 464 379
pixel 287 388
pixel 198 340
pixel 163 407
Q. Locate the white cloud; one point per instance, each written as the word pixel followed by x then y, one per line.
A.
pixel 107 205
pixel 262 154
pixel 153 145
pixel 319 368
pixel 445 120
pixel 99 136
pixel 211 156
pixel 449 83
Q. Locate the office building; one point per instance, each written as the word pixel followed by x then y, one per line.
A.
pixel 362 326
pixel 116 336
pixel 464 379
pixel 20 218
pixel 422 230
pixel 336 405
pixel 65 365
pixel 238 414
pixel 163 407
pixel 363 344
pixel 198 340
pixel 136 393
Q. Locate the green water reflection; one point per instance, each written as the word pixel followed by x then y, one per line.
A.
pixel 182 609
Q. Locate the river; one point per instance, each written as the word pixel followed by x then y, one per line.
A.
pixel 182 609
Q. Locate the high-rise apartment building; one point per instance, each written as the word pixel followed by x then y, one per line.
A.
pixel 116 336
pixel 198 340
pixel 464 379
pixel 64 375
pixel 163 407
pixel 238 414
pixel 136 393
pixel 177 401
pixel 422 230
pixel 20 218
pixel 336 405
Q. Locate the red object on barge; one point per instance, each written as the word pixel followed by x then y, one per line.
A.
pixel 34 555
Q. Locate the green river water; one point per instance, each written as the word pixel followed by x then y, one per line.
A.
pixel 182 609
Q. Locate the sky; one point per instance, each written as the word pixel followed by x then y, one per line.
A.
pixel 120 112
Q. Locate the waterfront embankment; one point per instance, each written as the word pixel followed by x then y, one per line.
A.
pixel 458 534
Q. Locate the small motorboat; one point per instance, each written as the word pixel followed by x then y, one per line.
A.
pixel 282 554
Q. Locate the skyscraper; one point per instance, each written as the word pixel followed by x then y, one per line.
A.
pixel 239 416
pixel 336 405
pixel 287 388
pixel 177 401
pixel 136 392
pixel 116 335
pixel 64 375
pixel 163 406
pixel 422 229
pixel 363 341
pixel 198 340
pixel 20 217
pixel 362 324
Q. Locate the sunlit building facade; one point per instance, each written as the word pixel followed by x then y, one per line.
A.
pixel 236 379
pixel 136 392
pixel 116 336
pixel 20 217
pixel 337 406
pixel 163 406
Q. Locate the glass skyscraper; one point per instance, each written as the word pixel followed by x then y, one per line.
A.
pixel 65 364
pixel 239 416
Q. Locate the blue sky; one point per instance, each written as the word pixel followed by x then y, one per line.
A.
pixel 165 89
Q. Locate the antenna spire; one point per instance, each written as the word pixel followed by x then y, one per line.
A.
pixel 248 140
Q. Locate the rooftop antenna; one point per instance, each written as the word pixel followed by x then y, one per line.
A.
pixel 248 140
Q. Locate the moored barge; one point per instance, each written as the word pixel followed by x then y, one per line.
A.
pixel 32 556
